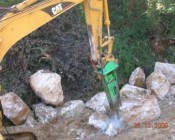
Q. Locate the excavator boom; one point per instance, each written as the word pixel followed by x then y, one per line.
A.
pixel 27 16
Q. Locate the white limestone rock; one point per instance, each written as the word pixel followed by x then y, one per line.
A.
pixel 172 90
pixel 98 102
pixel 47 86
pixel 99 120
pixel 14 108
pixel 45 113
pixel 31 122
pixel 109 125
pixel 167 69
pixel 111 130
pixel 137 78
pixel 139 110
pixel 134 109
pixel 158 84
pixel 72 109
pixel 130 91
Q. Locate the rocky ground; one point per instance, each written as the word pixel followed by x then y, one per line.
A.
pixel 139 133
pixel 77 128
pixel 148 113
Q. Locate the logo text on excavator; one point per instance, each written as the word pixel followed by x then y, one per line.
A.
pixel 57 9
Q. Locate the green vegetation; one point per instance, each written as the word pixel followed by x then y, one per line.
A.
pixel 134 22
pixel 9 2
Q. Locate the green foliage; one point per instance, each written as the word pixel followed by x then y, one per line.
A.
pixel 133 23
pixel 162 16
pixel 9 2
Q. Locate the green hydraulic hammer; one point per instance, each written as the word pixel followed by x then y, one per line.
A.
pixel 110 82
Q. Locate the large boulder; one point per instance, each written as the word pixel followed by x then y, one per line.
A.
pixel 172 90
pixel 167 69
pixel 108 125
pixel 139 110
pixel 31 122
pixel 158 84
pixel 129 91
pixel 137 78
pixel 45 113
pixel 72 109
pixel 99 120
pixel 14 108
pixel 98 102
pixel 47 86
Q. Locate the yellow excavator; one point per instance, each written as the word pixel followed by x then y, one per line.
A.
pixel 27 16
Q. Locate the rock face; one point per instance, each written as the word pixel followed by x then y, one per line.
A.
pixel 72 109
pixel 139 110
pixel 98 102
pixel 47 86
pixel 167 69
pixel 172 90
pixel 108 125
pixel 158 84
pixel 137 78
pixel 14 108
pixel 31 122
pixel 99 120
pixel 129 91
pixel 45 113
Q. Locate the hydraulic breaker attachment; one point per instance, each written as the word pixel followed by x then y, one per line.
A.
pixel 110 82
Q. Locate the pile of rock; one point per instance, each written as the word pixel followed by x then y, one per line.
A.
pixel 139 100
pixel 161 82
pixel 45 85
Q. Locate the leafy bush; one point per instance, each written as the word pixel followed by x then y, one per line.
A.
pixel 9 2
pixel 133 23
